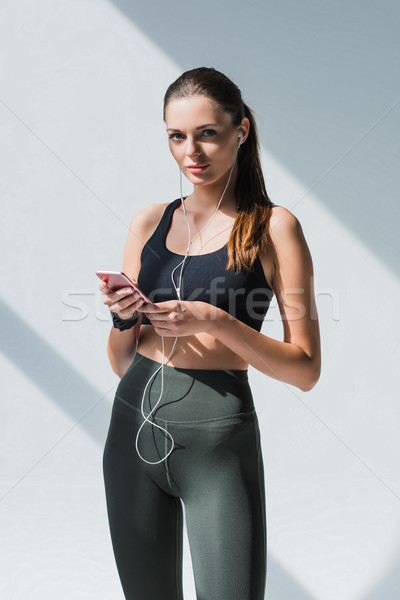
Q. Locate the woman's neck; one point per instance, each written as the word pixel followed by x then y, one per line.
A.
pixel 205 198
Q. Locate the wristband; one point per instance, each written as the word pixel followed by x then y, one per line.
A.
pixel 123 324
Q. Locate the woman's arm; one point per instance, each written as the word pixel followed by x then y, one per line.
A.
pixel 121 348
pixel 285 361
pixel 296 360
pixel 122 345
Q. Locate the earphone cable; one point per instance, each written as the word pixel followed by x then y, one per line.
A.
pixel 178 293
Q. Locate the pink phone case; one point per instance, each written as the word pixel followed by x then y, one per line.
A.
pixel 116 280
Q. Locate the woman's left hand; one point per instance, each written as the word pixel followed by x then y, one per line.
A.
pixel 177 318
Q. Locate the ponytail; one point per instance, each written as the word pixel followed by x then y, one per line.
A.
pixel 250 232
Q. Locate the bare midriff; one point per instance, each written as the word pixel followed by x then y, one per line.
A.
pixel 199 351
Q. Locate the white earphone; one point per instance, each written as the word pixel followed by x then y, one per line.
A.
pixel 178 293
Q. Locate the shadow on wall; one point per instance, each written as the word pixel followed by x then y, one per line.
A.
pixel 282 586
pixel 48 370
pixel 323 80
pixel 388 587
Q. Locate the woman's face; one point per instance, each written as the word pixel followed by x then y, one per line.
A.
pixel 200 134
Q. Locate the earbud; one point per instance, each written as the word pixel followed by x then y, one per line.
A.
pixel 240 139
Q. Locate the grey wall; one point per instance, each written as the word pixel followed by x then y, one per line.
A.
pixel 81 130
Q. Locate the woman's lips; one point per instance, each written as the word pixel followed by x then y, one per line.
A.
pixel 197 168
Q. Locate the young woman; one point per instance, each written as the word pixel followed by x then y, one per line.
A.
pixel 184 429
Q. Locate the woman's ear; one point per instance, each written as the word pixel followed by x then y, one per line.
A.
pixel 244 128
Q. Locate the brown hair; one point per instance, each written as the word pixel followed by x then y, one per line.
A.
pixel 250 231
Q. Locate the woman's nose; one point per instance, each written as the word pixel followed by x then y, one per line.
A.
pixel 192 149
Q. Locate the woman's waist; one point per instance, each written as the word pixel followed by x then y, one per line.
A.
pixel 184 394
pixel 200 351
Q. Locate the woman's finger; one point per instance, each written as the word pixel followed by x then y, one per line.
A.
pixel 103 287
pixel 112 297
pixel 126 304
pixel 163 307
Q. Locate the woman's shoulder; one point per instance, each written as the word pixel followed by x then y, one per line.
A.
pixel 145 221
pixel 279 212
pixel 150 214
pixel 283 223
pixel 143 224
pixel 289 249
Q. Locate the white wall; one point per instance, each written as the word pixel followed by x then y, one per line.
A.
pixel 81 132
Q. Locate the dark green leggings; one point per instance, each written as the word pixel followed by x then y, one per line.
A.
pixel 215 469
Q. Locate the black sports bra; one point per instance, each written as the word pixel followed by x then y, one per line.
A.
pixel 246 295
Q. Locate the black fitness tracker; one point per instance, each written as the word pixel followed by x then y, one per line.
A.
pixel 123 324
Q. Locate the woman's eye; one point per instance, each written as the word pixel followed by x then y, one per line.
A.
pixel 172 136
pixel 177 137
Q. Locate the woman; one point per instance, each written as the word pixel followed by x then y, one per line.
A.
pixel 210 263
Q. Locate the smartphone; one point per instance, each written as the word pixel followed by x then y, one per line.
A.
pixel 116 280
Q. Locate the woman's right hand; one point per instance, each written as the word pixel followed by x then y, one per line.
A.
pixel 125 302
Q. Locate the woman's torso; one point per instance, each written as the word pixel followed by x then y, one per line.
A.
pixel 164 249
